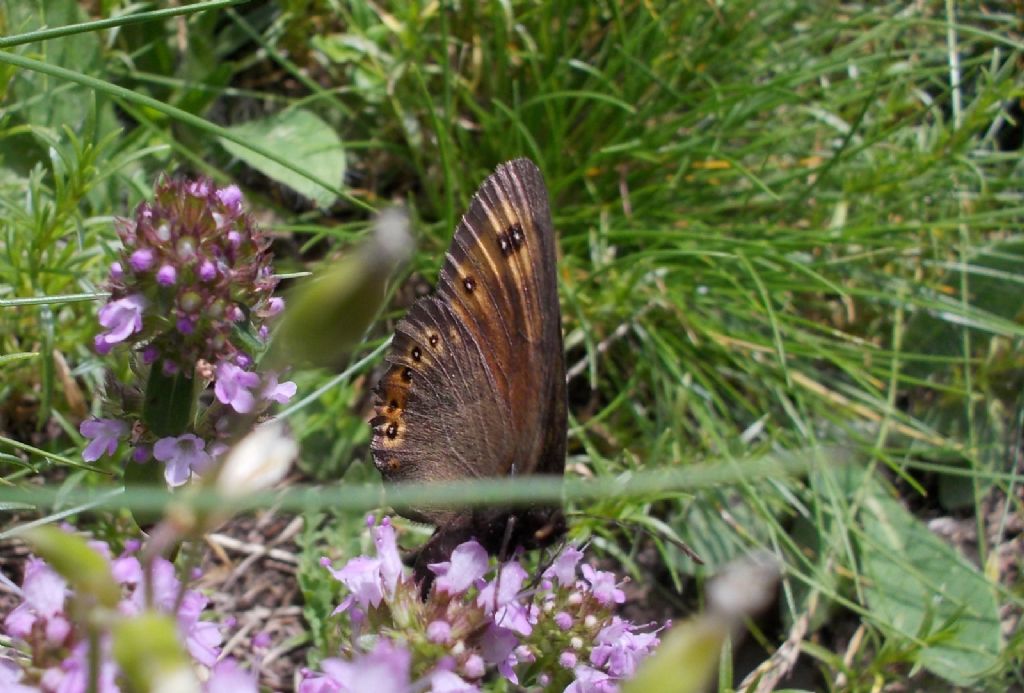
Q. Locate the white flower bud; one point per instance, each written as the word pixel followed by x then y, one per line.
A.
pixel 258 461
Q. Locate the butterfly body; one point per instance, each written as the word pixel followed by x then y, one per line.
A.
pixel 475 385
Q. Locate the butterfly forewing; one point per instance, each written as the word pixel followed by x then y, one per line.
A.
pixel 476 381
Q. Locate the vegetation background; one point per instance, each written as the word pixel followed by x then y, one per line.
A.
pixel 786 229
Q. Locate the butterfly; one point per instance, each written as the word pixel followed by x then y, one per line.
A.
pixel 475 381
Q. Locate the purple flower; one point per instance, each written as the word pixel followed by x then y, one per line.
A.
pixel 166 275
pixel 116 271
pixel 361 576
pixel 474 666
pixel 279 392
pixel 498 646
pixel 233 387
pixel 504 588
pixel 10 676
pixel 99 343
pixel 149 354
pixel 439 632
pixel 44 592
pixel 619 648
pixel 182 455
pixel 228 677
pixel 207 270
pixel 564 567
pixel 230 196
pixel 103 435
pixel 387 552
pixel 442 681
pixel 165 588
pixel 203 639
pixel 274 306
pixel 563 620
pixel 126 570
pixel 141 260
pixel 567 659
pixel 517 616
pixel 383 670
pixel 590 680
pixel 603 586
pixel 122 318
pixel 73 673
pixel 467 564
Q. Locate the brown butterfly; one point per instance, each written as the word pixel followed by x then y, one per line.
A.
pixel 475 386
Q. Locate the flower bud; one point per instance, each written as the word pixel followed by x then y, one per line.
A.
pixel 258 461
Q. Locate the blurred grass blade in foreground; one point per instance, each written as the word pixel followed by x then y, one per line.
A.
pixel 687 657
pixel 328 315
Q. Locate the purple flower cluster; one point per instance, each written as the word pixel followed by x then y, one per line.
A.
pixel 193 278
pixel 558 632
pixel 54 650
pixel 193 267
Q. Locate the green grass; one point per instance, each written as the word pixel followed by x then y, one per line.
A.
pixel 785 228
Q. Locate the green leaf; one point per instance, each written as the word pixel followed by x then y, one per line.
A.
pixel 685 660
pixel 169 401
pixel 147 475
pixel 329 314
pixel 298 136
pixel 19 356
pixel 919 585
pixel 150 654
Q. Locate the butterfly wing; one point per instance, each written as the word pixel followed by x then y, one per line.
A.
pixel 476 380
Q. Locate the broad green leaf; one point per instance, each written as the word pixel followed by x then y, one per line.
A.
pixel 300 137
pixel 919 585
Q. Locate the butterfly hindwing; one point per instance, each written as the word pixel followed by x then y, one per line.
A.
pixel 476 379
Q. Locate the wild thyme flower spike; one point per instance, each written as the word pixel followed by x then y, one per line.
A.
pixel 191 294
pixel 194 267
pixel 47 634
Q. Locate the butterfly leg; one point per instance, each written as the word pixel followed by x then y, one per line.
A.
pixel 437 549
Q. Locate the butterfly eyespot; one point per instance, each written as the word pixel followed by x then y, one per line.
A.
pixel 392 431
pixel 469 283
pixel 503 244
pixel 433 340
pixel 392 405
pixel 407 375
pixel 416 354
pixel 515 232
